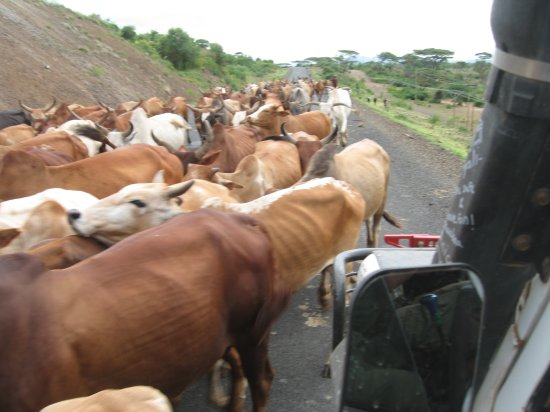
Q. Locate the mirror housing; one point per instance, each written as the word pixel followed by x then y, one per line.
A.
pixel 403 352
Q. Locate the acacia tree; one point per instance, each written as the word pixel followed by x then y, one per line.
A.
pixel 434 58
pixel 347 58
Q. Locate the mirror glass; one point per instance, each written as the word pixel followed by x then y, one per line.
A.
pixel 412 340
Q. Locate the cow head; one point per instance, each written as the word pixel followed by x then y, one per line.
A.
pixel 39 116
pixel 132 209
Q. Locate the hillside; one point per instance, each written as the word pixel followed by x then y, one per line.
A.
pixel 51 51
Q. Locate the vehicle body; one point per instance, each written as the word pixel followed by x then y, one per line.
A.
pixel 496 238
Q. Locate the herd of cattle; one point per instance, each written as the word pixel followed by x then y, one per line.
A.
pixel 131 261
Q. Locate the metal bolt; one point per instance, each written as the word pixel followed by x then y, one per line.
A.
pixel 522 243
pixel 541 197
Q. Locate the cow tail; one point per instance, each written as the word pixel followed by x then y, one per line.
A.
pixel 392 220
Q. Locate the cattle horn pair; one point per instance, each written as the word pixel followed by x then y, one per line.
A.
pixel 45 109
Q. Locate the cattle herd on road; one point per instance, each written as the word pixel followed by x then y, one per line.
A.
pixel 132 265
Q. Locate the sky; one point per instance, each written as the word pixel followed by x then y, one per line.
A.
pixel 289 30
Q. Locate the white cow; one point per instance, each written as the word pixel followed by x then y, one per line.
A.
pixel 339 101
pixel 167 129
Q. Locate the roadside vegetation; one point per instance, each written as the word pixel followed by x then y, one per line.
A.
pixel 435 97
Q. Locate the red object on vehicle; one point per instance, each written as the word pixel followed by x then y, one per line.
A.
pixel 415 240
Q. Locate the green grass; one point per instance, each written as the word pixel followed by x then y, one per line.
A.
pixel 431 128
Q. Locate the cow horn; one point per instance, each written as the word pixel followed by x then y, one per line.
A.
pixel 74 115
pixel 109 109
pixel 51 105
pixel 127 133
pixel 104 132
pixel 159 142
pixel 137 105
pixel 255 107
pixel 330 137
pixel 179 189
pixel 25 107
pixel 284 133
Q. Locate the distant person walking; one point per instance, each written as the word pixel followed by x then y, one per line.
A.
pixel 386 103
pixel 334 81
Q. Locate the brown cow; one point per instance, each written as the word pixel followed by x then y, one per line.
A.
pixel 138 313
pixel 225 146
pixel 39 116
pixel 22 175
pixel 268 119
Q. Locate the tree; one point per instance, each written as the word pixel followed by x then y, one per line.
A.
pixel 202 43
pixel 348 58
pixel 388 58
pixel 179 49
pixel 217 53
pixel 434 58
pixel 128 33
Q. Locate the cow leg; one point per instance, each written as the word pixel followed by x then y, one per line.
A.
pixel 258 371
pixel 217 393
pixel 239 383
pixel 325 290
pixel 376 226
pixel 369 232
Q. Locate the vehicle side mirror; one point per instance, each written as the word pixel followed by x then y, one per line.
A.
pixel 410 353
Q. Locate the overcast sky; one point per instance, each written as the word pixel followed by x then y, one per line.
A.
pixel 289 30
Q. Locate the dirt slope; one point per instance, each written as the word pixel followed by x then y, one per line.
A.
pixel 49 50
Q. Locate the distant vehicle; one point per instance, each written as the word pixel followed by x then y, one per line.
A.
pixel 464 325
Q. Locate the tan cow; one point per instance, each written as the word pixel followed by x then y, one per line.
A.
pixel 61 142
pixel 46 221
pixel 15 134
pixel 309 223
pixel 104 174
pixel 133 399
pixel 274 165
pixel 366 166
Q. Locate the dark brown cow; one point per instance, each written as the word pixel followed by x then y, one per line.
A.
pixel 22 175
pixel 225 146
pixel 159 309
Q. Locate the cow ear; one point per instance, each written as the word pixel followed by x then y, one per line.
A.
pixel 7 235
pixel 226 182
pixel 210 158
pixel 283 113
